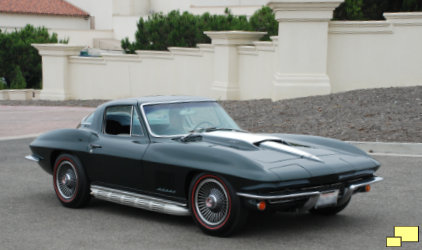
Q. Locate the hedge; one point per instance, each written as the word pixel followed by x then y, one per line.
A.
pixel 373 9
pixel 160 31
pixel 20 63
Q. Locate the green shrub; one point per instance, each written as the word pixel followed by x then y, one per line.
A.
pixel 161 31
pixel 373 9
pixel 2 83
pixel 264 20
pixel 18 81
pixel 16 50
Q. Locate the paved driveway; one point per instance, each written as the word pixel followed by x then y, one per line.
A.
pixel 24 121
pixel 31 217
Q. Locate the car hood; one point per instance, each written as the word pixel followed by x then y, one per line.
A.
pixel 294 157
pixel 265 148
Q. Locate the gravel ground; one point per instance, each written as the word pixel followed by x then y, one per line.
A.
pixel 388 114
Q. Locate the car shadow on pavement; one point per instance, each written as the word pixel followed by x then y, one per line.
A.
pixel 257 224
pixel 291 224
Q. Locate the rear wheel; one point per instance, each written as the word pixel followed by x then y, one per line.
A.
pixel 70 181
pixel 214 205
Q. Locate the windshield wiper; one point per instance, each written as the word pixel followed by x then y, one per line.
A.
pixel 189 137
pixel 223 129
pixel 211 129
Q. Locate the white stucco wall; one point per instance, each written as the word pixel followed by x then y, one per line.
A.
pixel 131 7
pixel 237 7
pixel 82 37
pixel 12 21
pixel 376 54
pixel 125 26
pixel 358 55
pixel 257 65
pixel 169 5
pixel 101 10
pixel 181 71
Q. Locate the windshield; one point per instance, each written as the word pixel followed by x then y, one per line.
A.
pixel 182 118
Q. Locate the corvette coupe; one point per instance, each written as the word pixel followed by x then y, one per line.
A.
pixel 186 156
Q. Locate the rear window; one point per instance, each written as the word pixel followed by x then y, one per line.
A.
pixel 87 121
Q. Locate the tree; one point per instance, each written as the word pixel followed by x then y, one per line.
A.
pixel 373 9
pixel 18 81
pixel 16 50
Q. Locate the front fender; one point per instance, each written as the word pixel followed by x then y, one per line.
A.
pixel 322 142
pixel 203 157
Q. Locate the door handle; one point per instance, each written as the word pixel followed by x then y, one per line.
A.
pixel 93 146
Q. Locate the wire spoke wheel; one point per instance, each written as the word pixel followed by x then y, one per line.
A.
pixel 70 181
pixel 211 202
pixel 214 205
pixel 66 180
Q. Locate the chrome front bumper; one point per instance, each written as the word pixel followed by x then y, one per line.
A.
pixel 35 158
pixel 312 195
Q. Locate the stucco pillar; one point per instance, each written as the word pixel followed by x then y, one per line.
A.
pixel 302 47
pixel 226 83
pixel 55 69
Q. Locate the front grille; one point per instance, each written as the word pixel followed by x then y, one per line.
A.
pixel 320 187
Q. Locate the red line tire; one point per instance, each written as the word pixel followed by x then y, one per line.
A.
pixel 214 205
pixel 70 181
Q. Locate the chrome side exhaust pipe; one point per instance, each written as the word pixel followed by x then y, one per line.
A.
pixel 139 201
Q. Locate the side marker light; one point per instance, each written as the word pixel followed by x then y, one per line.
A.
pixel 261 205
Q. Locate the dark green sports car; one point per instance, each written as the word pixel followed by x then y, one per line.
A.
pixel 185 156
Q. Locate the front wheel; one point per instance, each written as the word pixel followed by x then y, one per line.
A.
pixel 214 205
pixel 70 181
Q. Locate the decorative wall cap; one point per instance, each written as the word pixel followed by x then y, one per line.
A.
pixel 264 45
pixel 57 49
pixel 274 39
pixel 360 27
pixel 86 60
pixel 234 37
pixel 182 51
pixel 404 18
pixel 205 47
pixel 304 10
pixel 121 57
pixel 299 5
pixel 161 54
pixel 247 50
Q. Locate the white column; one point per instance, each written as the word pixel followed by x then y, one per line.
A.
pixel 226 83
pixel 55 69
pixel 302 47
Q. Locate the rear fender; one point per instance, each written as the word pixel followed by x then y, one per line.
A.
pixel 49 145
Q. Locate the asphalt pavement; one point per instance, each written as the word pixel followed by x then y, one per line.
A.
pixel 31 217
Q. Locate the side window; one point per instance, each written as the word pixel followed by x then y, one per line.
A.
pixel 118 120
pixel 136 124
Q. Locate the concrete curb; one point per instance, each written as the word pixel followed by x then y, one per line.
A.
pixel 390 148
pixel 9 138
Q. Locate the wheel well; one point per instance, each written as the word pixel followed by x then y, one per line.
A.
pixel 188 180
pixel 54 155
pixel 53 158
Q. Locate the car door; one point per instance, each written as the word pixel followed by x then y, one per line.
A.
pixel 116 155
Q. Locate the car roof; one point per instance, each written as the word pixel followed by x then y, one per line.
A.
pixel 159 99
